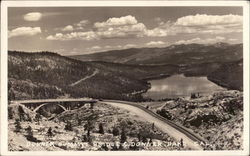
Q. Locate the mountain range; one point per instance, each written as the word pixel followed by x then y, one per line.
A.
pixel 174 54
pixel 120 75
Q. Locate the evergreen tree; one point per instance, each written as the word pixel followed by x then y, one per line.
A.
pixel 115 131
pixel 38 118
pixel 68 126
pixel 50 133
pixel 21 113
pixel 151 141
pixel 139 137
pixel 17 125
pixel 29 131
pixel 144 139
pixel 123 136
pixel 90 125
pixel 101 130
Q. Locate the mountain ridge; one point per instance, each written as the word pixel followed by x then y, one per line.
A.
pixel 173 54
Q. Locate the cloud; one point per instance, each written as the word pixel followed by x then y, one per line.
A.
pixel 129 27
pixel 32 16
pixel 129 46
pixel 232 39
pixel 202 24
pixel 125 20
pixel 81 24
pixel 123 27
pixel 203 20
pixel 95 48
pixel 155 43
pixel 89 35
pixel 68 28
pixel 24 31
pixel 202 41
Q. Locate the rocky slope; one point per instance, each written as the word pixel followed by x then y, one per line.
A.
pixel 75 137
pixel 218 118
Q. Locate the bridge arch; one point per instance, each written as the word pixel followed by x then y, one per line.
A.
pixel 37 108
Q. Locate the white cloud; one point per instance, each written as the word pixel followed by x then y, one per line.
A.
pixel 89 35
pixel 125 20
pixel 81 24
pixel 95 47
pixel 122 27
pixel 202 41
pixel 129 46
pixel 68 28
pixel 202 24
pixel 24 31
pixel 126 26
pixel 155 43
pixel 129 27
pixel 203 19
pixel 33 16
pixel 232 39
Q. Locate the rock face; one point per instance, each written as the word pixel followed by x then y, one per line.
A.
pixel 20 112
pixel 218 118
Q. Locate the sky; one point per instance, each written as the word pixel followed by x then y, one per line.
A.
pixel 85 30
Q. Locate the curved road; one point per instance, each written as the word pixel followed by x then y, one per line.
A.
pixel 85 78
pixel 176 131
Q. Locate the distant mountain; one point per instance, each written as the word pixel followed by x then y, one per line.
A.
pixel 174 54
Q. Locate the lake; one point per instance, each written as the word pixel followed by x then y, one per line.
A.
pixel 180 86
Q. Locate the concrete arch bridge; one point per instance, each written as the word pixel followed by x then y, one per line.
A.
pixel 65 104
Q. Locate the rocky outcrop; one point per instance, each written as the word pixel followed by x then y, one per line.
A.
pixel 218 117
pixel 20 112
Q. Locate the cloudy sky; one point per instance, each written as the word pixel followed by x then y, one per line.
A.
pixel 81 30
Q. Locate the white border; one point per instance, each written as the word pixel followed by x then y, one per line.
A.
pixel 4 82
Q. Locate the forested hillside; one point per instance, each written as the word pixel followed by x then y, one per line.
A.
pixel 49 75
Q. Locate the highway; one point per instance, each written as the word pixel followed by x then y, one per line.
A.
pixel 176 131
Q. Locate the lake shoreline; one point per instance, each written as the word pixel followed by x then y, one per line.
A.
pixel 193 84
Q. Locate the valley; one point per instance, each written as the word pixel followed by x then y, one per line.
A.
pixel 126 77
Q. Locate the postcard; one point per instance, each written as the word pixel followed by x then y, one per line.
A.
pixel 124 78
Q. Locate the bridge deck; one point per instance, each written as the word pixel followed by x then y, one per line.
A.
pixel 53 100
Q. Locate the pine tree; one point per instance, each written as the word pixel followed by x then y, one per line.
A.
pixel 50 133
pixel 115 131
pixel 68 126
pixel 38 118
pixel 90 125
pixel 151 141
pixel 18 126
pixel 101 130
pixel 29 131
pixel 139 137
pixel 123 136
